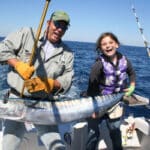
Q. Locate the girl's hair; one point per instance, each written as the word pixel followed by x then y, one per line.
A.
pixel 103 35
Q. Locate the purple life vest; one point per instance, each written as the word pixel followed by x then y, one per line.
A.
pixel 115 76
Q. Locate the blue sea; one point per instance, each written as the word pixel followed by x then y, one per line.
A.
pixel 85 56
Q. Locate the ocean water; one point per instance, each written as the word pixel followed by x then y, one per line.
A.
pixel 85 56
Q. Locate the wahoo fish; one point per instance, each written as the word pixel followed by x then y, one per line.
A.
pixel 51 113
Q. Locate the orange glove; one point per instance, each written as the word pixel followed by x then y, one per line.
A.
pixel 38 84
pixel 24 70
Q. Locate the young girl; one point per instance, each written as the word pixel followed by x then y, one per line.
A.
pixel 109 75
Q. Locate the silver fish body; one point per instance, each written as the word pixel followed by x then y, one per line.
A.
pixel 50 113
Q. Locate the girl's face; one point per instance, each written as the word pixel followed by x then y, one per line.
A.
pixel 108 46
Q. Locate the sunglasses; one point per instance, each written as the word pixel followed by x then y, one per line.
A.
pixel 61 25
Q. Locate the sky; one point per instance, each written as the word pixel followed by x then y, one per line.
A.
pixel 89 18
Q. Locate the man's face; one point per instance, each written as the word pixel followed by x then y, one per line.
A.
pixel 55 30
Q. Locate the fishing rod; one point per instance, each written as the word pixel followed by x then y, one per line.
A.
pixel 37 37
pixel 141 31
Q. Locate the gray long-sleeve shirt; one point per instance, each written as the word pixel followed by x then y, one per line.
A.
pixel 58 66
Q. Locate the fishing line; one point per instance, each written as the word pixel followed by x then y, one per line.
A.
pixel 141 30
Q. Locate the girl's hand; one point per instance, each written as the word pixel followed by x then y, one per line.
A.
pixel 129 91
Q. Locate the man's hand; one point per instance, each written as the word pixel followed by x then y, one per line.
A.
pixel 24 70
pixel 130 90
pixel 38 84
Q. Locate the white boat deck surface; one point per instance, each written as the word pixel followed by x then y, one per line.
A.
pixel 31 142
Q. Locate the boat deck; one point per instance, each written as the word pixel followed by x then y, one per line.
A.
pixel 30 140
pixel 139 141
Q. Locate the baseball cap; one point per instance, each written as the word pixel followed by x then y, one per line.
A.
pixel 60 15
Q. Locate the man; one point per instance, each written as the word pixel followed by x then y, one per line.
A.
pixel 51 73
